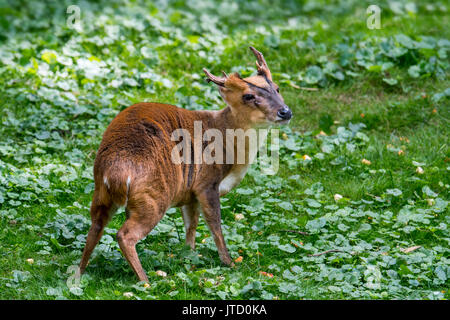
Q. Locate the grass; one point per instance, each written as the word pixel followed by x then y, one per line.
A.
pixel 49 139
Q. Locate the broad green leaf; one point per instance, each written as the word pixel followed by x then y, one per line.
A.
pixel 244 191
pixel 286 205
pixel 395 192
pixel 430 193
pixel 287 248
pixel 313 74
pixel 313 203
pixel 414 71
pixel 390 81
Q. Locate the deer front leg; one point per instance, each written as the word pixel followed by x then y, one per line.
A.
pixel 210 203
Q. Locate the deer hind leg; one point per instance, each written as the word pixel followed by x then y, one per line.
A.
pixel 101 212
pixel 142 218
pixel 191 213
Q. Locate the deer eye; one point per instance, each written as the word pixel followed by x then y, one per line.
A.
pixel 278 89
pixel 248 97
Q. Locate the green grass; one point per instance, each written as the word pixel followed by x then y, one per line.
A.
pixel 49 139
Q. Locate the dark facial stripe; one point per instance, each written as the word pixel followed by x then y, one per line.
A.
pixel 267 80
pixel 254 85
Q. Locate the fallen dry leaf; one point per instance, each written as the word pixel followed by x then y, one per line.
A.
pixel 266 274
pixel 410 249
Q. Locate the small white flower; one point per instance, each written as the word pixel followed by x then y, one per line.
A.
pixel 239 216
pixel 30 261
pixel 337 197
pixel 430 202
pixel 420 170
pixel 128 294
pixel 161 273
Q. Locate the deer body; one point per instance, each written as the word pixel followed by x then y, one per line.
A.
pixel 135 154
pixel 134 167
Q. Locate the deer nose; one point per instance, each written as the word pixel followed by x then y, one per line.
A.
pixel 285 113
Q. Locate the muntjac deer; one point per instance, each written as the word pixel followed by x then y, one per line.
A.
pixel 134 167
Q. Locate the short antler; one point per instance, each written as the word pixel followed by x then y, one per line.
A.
pixel 220 81
pixel 263 69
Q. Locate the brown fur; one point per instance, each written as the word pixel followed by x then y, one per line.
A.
pixel 133 168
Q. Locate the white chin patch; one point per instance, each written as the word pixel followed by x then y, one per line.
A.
pixel 280 120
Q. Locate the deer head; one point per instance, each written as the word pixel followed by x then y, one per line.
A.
pixel 256 99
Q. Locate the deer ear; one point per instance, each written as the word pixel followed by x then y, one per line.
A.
pixel 234 81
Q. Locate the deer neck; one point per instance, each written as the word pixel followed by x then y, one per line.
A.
pixel 228 119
